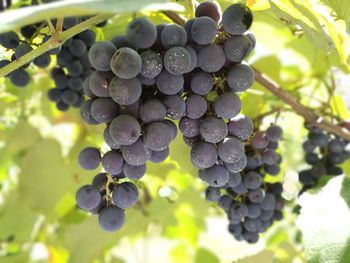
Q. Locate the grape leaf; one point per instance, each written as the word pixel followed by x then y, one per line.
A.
pixel 325 222
pixel 13 19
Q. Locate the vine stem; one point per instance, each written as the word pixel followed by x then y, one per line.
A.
pixel 55 41
pixel 309 115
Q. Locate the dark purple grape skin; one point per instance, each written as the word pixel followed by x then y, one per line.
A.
pixel 227 105
pixel 203 30
pixel 237 19
pixel 210 9
pixel 126 63
pixel 125 91
pixel 141 33
pixel 241 127
pixel 169 84
pixel 98 83
pixel 213 129
pixel 111 218
pixel 237 48
pixel 202 83
pixel 189 127
pixel 203 155
pixel 104 110
pixel 173 35
pixel 125 129
pixel 89 158
pixel 88 197
pixel 211 58
pixel 100 55
pixel 112 162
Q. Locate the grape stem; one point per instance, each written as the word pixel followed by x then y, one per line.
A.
pixel 309 115
pixel 55 41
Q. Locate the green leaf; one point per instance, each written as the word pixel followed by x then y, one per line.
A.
pixel 205 256
pixel 325 222
pixel 13 19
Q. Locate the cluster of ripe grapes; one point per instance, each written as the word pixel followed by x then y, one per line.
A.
pixel 153 76
pixel 325 153
pixel 73 68
pixel 251 204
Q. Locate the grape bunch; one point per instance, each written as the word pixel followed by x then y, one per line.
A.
pixel 251 204
pixel 325 153
pixel 73 68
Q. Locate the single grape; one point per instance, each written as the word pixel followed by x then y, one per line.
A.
pixel 111 218
pixel 238 166
pixel 169 84
pixel 104 110
pixel 109 140
pixel 158 136
pixel 99 181
pixel 260 140
pixel 274 133
pixel 120 41
pixel 173 35
pixel 252 180
pixel 240 78
pixel 336 146
pixel 227 105
pixel 19 78
pixel 88 37
pixel 234 180
pixel 88 197
pixel 75 68
pixel 239 210
pixel 203 155
pixel 211 58
pixel 196 106
pixel 89 158
pixel 213 129
pixel 240 189
pixel 152 64
pixel 125 195
pixel 125 130
pixel 202 83
pixel 70 97
pixel 77 47
pixel 152 110
pixel 237 48
pixel 212 194
pixel 216 176
pixel 61 106
pixel 189 127
pixel 42 61
pixel 54 94
pixel 100 55
pixel 85 113
pixel 319 139
pixel 98 83
pixel 159 156
pixel 177 60
pixel 125 91
pixel 112 162
pixel 256 196
pixel 225 202
pixel 210 9
pixel 64 57
pixel 254 211
pixel 241 127
pixel 175 107
pixel 141 33
pixel 134 172
pixel 272 169
pixel 270 157
pixel 268 203
pixel 136 153
pixel 237 19
pixel 203 30
pixel 194 58
pixel 75 84
pixel 9 40
pixel 126 63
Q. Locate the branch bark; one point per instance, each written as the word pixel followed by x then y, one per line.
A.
pixel 55 41
pixel 309 115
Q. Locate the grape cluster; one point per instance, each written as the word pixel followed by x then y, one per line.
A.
pixel 325 153
pixel 251 204
pixel 73 67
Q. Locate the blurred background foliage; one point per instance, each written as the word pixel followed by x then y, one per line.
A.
pixel 302 45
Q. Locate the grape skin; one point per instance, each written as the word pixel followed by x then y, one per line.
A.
pixel 134 172
pixel 125 195
pixel 231 150
pixel 202 83
pixel 152 110
pixel 196 106
pixel 240 78
pixel 173 35
pixel 169 84
pixel 189 127
pixel 125 129
pixel 211 58
pixel 126 63
pixel 88 197
pixel 89 158
pixel 215 176
pixel 158 136
pixel 203 30
pixel 104 110
pixel 109 140
pixel 141 33
pixel 210 9
pixel 237 19
pixel 111 218
pixel 238 166
pixel 241 127
pixel 98 83
pixel 136 153
pixel 212 194
pixel 213 129
pixel 175 107
pixel 274 133
pixel 113 162
pixel 177 60
pixel 20 78
pixel 252 180
pixel 100 55
pixel 152 64
pixel 194 58
pixel 237 48
pixel 227 105
pixel 77 47
pixel 85 113
pixel 203 155
pixel 125 91
pixel 159 156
